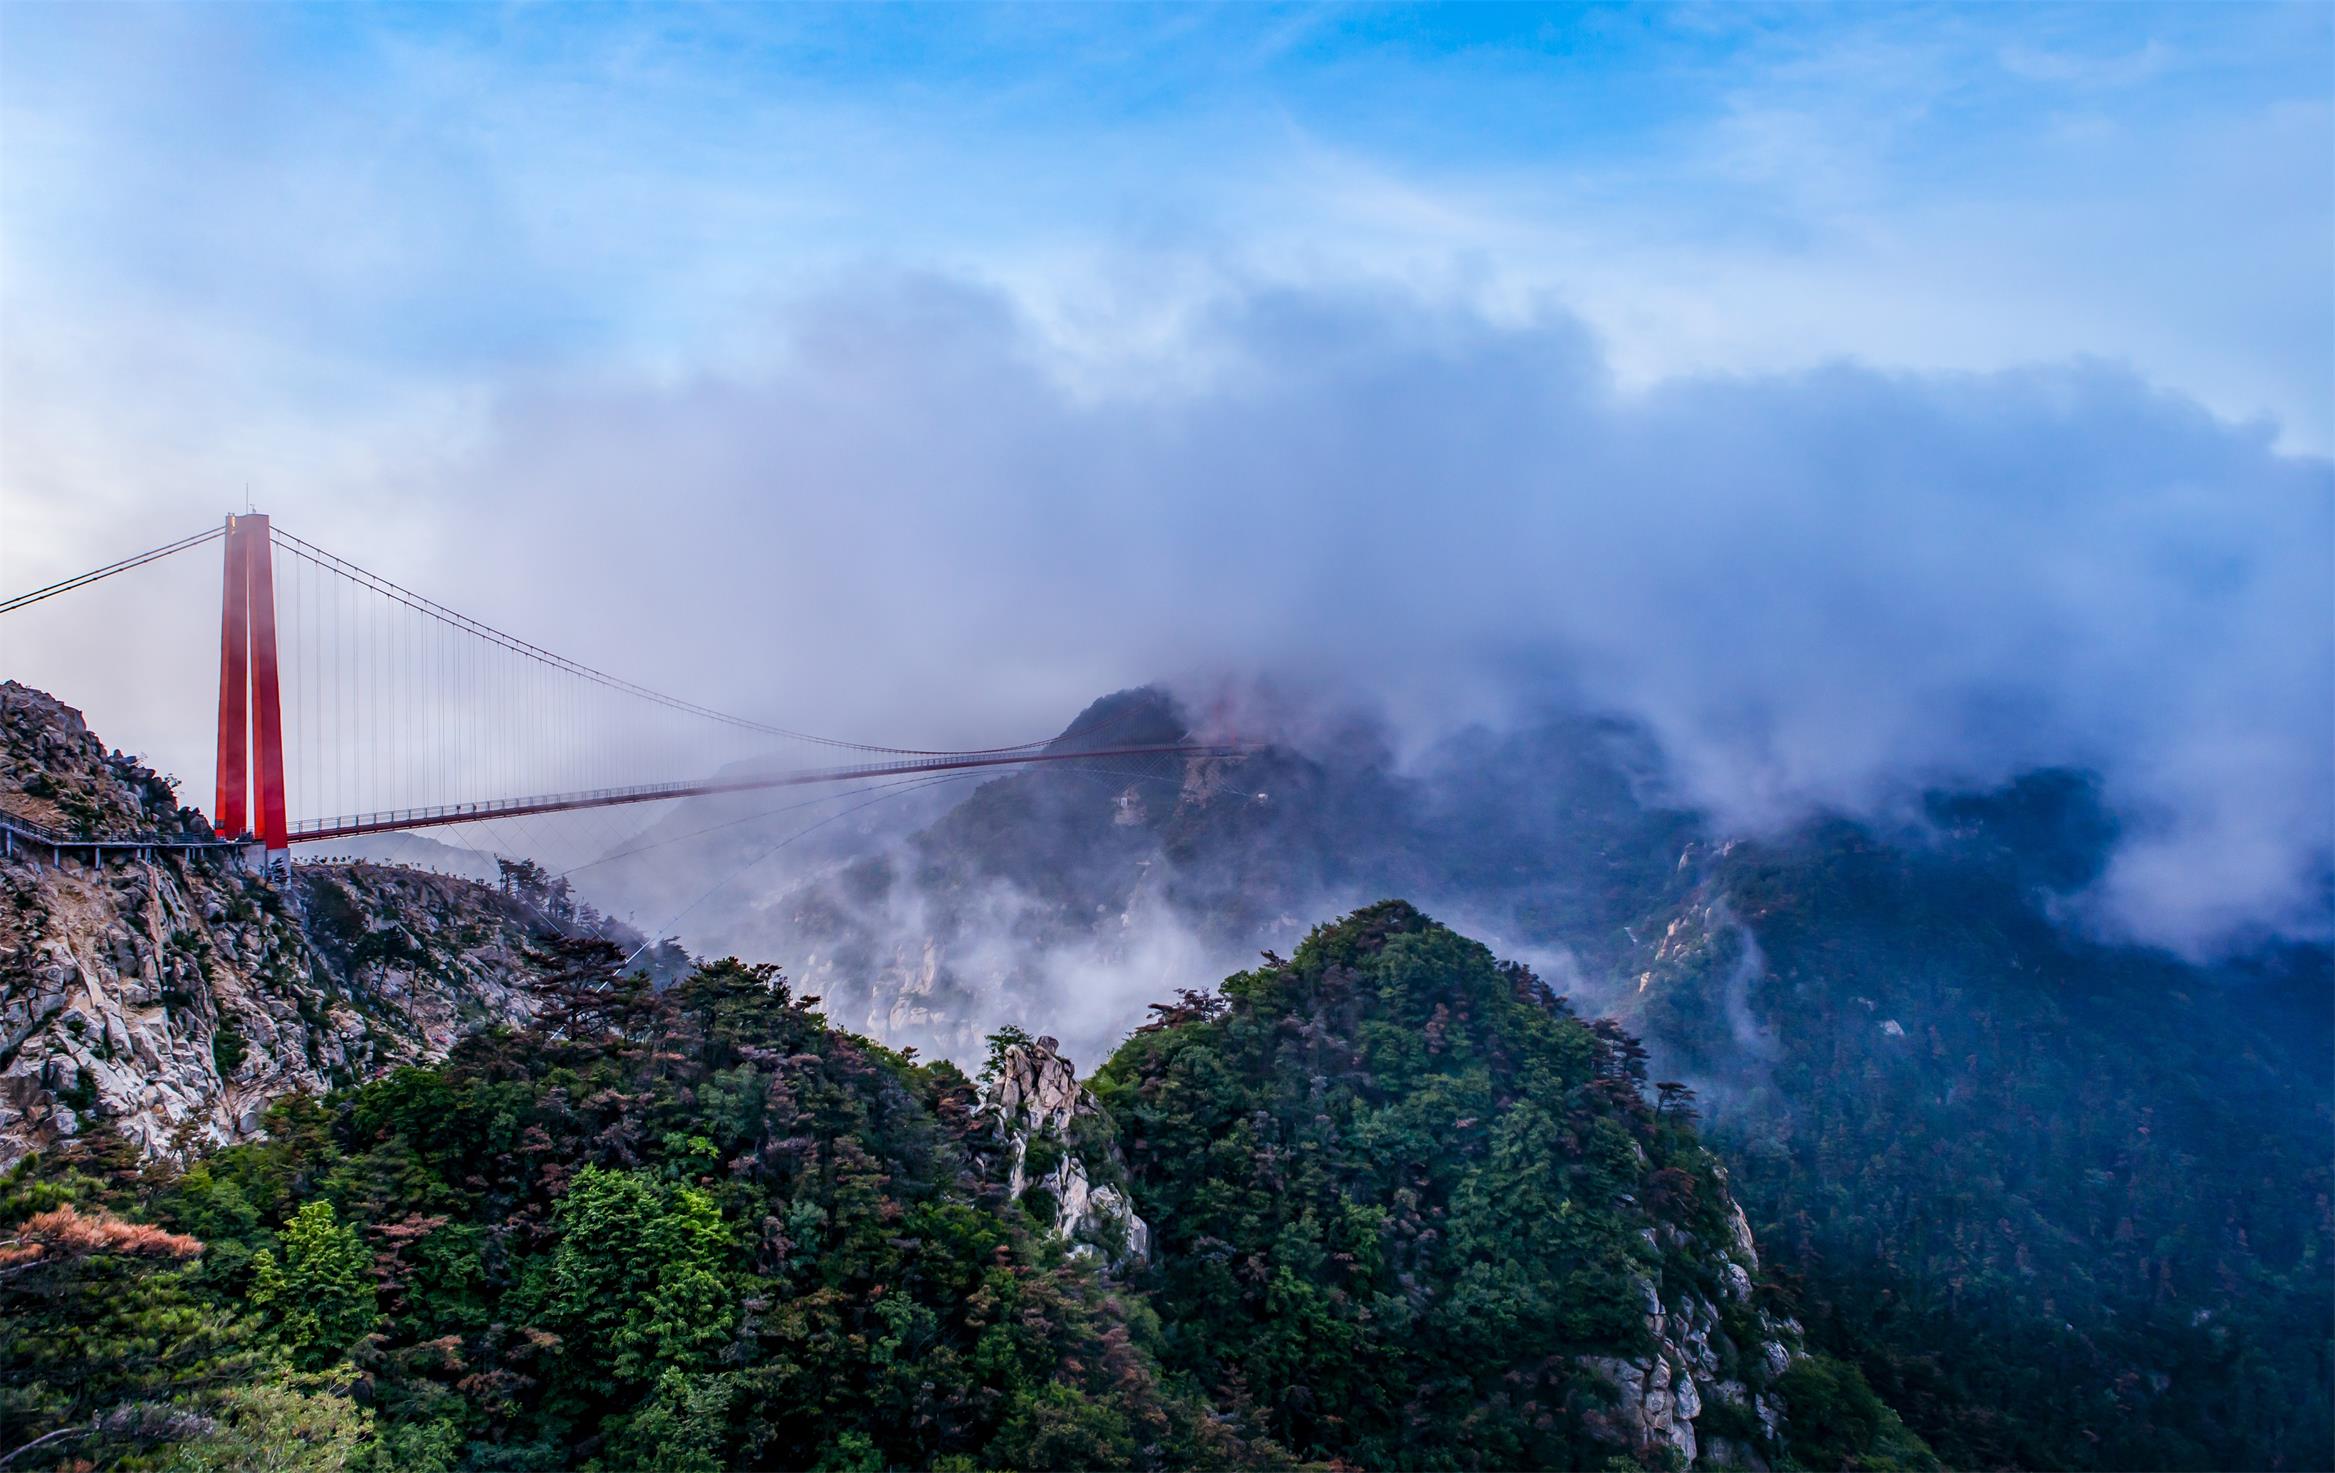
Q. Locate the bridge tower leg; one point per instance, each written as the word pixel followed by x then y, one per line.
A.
pixel 251 711
pixel 234 690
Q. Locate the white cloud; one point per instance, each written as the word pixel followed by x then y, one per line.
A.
pixel 1378 362
pixel 2042 64
pixel 1823 589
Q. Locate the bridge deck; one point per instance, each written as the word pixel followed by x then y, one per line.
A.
pixel 16 832
pixel 318 830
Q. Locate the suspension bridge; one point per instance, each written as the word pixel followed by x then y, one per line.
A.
pixel 351 705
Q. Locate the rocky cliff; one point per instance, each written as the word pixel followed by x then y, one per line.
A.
pixel 1708 1386
pixel 1057 1154
pixel 171 998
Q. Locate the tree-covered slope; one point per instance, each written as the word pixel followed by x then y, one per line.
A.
pixel 2066 1201
pixel 690 1230
pixel 1414 1213
pixel 1387 1202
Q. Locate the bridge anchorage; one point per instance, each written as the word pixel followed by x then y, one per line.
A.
pixel 378 710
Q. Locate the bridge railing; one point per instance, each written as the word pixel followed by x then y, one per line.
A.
pixel 308 831
pixel 440 813
pixel 17 827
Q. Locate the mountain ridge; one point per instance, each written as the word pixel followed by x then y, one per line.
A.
pixel 1937 952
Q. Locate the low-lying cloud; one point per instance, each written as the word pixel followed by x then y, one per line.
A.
pixel 1827 590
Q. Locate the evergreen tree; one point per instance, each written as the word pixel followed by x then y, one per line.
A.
pixel 318 1296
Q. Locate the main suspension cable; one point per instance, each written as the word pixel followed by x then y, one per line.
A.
pixel 488 632
pixel 23 600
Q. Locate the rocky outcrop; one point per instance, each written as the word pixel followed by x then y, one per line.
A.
pixel 1700 1371
pixel 1705 1388
pixel 435 955
pixel 172 998
pixel 160 996
pixel 55 774
pixel 1057 1154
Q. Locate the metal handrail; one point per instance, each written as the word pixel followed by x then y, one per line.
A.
pixel 42 833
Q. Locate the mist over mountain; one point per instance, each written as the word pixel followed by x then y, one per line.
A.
pixel 1555 832
pixel 1988 1139
pixel 1826 591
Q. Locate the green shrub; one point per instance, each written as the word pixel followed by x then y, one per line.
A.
pixel 227 1049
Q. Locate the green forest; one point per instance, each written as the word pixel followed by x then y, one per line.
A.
pixel 1406 1204
pixel 2066 1204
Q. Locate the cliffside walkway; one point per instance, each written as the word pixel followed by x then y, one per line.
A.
pixel 23 835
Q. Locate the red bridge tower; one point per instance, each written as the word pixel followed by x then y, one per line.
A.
pixel 251 710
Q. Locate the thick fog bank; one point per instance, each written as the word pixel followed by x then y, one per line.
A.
pixel 1832 590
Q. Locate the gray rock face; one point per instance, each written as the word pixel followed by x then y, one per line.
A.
pixel 176 999
pixel 1703 1356
pixel 172 999
pixel 1055 1142
pixel 1646 1407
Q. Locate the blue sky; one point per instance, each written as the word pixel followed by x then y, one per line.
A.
pixel 395 200
pixel 1817 384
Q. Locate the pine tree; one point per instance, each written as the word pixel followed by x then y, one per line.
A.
pixel 319 1296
